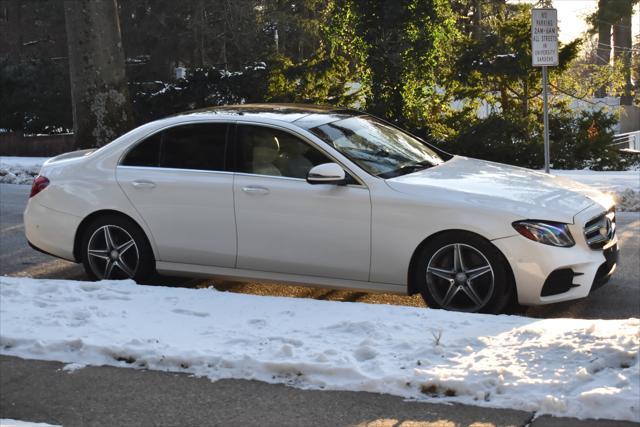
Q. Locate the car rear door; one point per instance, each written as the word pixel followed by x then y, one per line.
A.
pixel 287 225
pixel 177 180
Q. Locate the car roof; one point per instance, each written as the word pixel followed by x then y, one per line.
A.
pixel 303 115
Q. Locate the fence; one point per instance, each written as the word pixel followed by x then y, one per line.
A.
pixel 627 141
pixel 17 144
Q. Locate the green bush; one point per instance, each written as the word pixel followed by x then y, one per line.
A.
pixel 584 141
pixel 576 142
pixel 500 139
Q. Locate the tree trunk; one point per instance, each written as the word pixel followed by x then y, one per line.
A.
pixel 225 28
pixel 476 29
pixel 198 34
pixel 604 51
pixel 99 94
pixel 525 98
pixel 622 53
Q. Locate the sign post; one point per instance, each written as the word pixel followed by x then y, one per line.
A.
pixel 544 53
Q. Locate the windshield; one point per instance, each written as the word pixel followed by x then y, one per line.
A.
pixel 377 147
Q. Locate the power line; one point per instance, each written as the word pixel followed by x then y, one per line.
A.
pixel 577 97
pixel 630 49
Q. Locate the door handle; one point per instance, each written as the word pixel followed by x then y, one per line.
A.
pixel 142 184
pixel 254 189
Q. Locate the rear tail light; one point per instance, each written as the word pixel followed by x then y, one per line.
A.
pixel 39 184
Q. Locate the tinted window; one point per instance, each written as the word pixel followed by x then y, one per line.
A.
pixel 196 146
pixel 268 151
pixel 146 153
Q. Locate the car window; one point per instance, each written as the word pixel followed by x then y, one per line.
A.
pixel 194 146
pixel 377 147
pixel 268 151
pixel 145 153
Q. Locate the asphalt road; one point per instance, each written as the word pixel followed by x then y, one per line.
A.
pixel 41 391
pixel 620 298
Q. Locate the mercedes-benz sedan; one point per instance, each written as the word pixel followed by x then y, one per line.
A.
pixel 321 196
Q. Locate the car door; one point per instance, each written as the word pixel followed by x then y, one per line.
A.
pixel 178 182
pixel 286 225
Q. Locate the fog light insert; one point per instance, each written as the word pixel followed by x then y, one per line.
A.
pixel 559 282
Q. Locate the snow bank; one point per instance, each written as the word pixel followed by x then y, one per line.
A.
pixel 623 185
pixel 19 170
pixel 578 368
pixel 6 422
pixel 604 180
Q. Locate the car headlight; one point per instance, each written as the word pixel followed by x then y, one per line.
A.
pixel 546 232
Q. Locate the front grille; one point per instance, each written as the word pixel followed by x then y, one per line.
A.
pixel 601 230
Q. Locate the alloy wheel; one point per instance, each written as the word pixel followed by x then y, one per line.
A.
pixel 460 277
pixel 112 253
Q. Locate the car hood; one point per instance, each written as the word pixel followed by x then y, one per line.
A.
pixel 526 193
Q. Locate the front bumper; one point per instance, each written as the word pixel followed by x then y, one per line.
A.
pixel 576 270
pixel 606 269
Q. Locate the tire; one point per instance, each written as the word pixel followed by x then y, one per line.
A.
pixel 114 247
pixel 481 283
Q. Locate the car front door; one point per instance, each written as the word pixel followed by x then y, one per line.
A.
pixel 287 225
pixel 177 181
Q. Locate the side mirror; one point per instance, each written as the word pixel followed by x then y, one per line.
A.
pixel 327 173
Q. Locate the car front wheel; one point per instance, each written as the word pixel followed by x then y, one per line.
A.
pixel 461 271
pixel 114 247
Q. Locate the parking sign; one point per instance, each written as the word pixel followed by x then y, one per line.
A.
pixel 544 37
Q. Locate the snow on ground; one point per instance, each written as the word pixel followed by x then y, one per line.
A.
pixel 604 180
pixel 567 367
pixel 19 170
pixel 624 185
pixel 6 422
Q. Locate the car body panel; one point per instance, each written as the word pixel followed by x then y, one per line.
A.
pixel 523 192
pixel 402 221
pixel 289 226
pixel 84 185
pixel 190 213
pixel 49 230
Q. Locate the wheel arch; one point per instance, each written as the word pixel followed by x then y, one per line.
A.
pixel 77 252
pixel 412 287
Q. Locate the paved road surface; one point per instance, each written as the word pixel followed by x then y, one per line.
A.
pixel 40 391
pixel 618 299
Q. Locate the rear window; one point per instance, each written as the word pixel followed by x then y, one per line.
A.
pixel 194 146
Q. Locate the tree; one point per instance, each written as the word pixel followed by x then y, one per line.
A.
pixel 100 98
pixel 613 17
pixel 326 64
pixel 407 53
pixel 34 77
pixel 622 48
pixel 497 68
pixel 160 34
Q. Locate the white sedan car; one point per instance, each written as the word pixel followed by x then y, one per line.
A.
pixel 321 196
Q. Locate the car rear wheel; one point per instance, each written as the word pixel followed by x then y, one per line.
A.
pixel 461 271
pixel 114 247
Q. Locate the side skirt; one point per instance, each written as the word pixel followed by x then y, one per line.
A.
pixel 192 270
